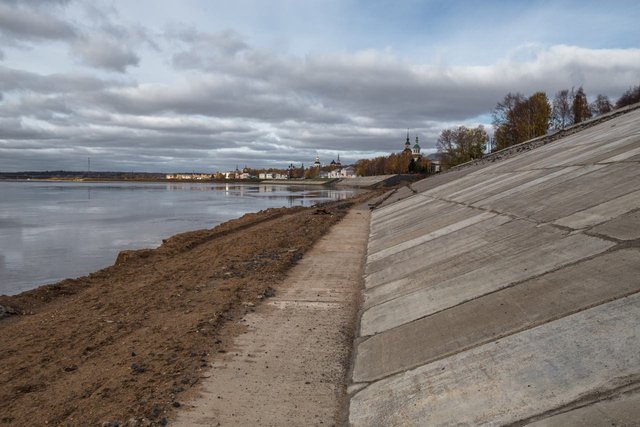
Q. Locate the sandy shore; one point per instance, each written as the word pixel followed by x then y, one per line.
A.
pixel 130 344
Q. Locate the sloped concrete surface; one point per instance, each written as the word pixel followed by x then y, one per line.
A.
pixel 622 411
pixel 364 181
pixel 508 294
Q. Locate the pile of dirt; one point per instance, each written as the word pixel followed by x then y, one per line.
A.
pixel 124 345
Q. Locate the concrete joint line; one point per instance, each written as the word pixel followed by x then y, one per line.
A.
pixel 488 340
pixel 587 400
pixel 493 211
pixel 510 285
pixel 408 244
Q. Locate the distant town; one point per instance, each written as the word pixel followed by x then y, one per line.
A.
pixel 317 170
pixel 409 160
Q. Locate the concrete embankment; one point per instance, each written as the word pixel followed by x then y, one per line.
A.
pixel 508 294
pixel 374 181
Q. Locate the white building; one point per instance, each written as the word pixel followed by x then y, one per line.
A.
pixel 347 172
pixel 272 175
pixel 196 176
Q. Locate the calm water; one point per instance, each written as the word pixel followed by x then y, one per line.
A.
pixel 53 230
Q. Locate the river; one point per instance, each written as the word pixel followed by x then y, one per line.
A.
pixel 53 230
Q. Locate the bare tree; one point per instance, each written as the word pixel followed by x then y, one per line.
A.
pixel 601 105
pixel 561 113
pixel 631 96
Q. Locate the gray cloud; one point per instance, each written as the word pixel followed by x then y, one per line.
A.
pixel 199 50
pixel 105 53
pixel 98 42
pixel 21 20
pixel 19 80
pixel 14 130
pixel 237 104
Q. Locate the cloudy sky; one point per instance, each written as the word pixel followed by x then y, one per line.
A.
pixel 204 85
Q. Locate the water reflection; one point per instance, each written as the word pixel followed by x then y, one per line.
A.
pixel 53 230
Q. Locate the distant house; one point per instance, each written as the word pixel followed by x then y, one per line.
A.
pixel 272 175
pixel 323 174
pixel 188 176
pixel 235 174
pixel 346 172
pixel 434 166
pixel 435 162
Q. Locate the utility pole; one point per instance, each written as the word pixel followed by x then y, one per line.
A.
pixel 88 164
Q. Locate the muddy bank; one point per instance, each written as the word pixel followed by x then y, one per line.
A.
pixel 128 343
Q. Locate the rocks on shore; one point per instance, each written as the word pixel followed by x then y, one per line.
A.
pixel 6 311
pixel 125 256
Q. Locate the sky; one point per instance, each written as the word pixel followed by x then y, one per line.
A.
pixel 205 85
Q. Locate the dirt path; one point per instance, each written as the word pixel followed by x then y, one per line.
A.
pixel 289 366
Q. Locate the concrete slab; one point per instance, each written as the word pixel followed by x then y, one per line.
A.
pixel 441 179
pixel 515 378
pixel 440 260
pixel 593 153
pixel 419 219
pixel 489 183
pixel 625 154
pixel 621 411
pixel 492 277
pixel 379 199
pixel 547 182
pixel 390 212
pixel 421 239
pixel 363 181
pixel 401 194
pixel 625 227
pixel 529 304
pixel 571 196
pixel 503 182
pixel 602 212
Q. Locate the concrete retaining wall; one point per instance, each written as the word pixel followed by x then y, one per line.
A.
pixel 508 293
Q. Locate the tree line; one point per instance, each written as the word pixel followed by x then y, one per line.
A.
pixel 396 163
pixel 517 118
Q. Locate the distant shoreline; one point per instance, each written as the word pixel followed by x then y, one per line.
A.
pixel 164 180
